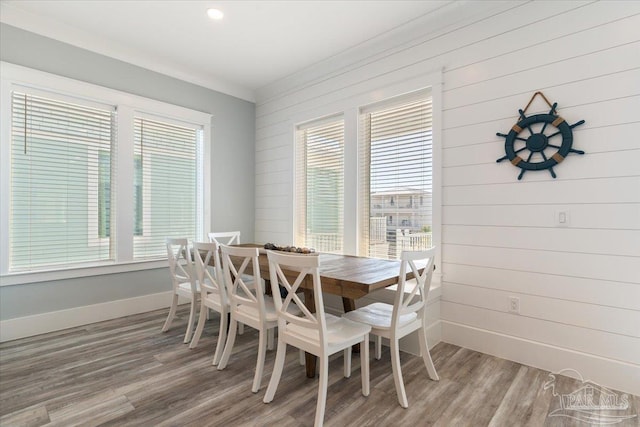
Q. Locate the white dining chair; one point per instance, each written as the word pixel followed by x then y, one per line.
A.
pixel 213 293
pixel 317 333
pixel 247 303
pixel 232 238
pixel 406 315
pixel 183 280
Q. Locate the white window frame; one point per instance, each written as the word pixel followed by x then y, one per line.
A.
pixel 14 76
pixel 366 94
pixel 298 220
pixel 364 205
pixel 146 164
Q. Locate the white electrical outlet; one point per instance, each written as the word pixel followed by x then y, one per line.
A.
pixel 514 305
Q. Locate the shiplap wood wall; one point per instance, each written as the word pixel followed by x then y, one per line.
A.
pixel 578 285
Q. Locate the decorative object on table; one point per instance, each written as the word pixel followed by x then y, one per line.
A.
pixel 538 141
pixel 300 250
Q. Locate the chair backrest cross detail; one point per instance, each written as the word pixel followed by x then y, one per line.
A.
pixel 241 292
pixel 313 324
pixel 414 300
pixel 225 237
pixel 180 263
pixel 207 259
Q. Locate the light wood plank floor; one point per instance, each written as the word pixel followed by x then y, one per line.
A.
pixel 125 372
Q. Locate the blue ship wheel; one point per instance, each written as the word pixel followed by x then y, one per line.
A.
pixel 536 135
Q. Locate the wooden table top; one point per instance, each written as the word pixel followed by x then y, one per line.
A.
pixel 348 276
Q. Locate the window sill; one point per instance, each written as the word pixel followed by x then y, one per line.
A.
pixel 26 277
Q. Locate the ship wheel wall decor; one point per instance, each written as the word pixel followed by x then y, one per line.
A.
pixel 541 129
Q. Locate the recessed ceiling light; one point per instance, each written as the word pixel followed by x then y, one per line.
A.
pixel 215 14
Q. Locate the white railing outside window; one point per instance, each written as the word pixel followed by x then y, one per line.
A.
pixel 408 241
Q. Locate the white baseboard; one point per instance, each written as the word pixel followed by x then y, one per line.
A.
pixel 27 326
pixel 610 373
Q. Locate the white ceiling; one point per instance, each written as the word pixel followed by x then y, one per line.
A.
pixel 257 42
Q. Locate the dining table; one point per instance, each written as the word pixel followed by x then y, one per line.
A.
pixel 348 276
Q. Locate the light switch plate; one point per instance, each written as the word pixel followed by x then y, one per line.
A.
pixel 562 219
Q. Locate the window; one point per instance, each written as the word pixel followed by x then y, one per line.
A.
pixel 93 179
pixel 165 190
pixel 60 182
pixel 396 170
pixel 320 185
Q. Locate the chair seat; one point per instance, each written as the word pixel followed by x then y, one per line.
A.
pixel 214 301
pixel 378 315
pixel 186 287
pixel 270 310
pixel 339 329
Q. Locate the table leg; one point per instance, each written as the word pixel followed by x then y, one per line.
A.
pixel 310 359
pixel 349 305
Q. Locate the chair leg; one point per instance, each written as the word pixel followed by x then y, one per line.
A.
pixel 228 346
pixel 397 372
pixel 222 338
pixel 271 333
pixel 277 372
pixel 378 341
pixel 322 390
pixel 201 321
pixel 240 328
pixel 426 356
pixel 192 318
pixel 347 362
pixel 172 313
pixel 301 358
pixel 262 352
pixel 364 365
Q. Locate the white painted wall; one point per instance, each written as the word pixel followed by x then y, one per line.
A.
pixel 579 286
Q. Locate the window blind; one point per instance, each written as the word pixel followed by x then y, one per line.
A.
pixel 320 185
pixel 396 177
pixel 166 195
pixel 61 182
